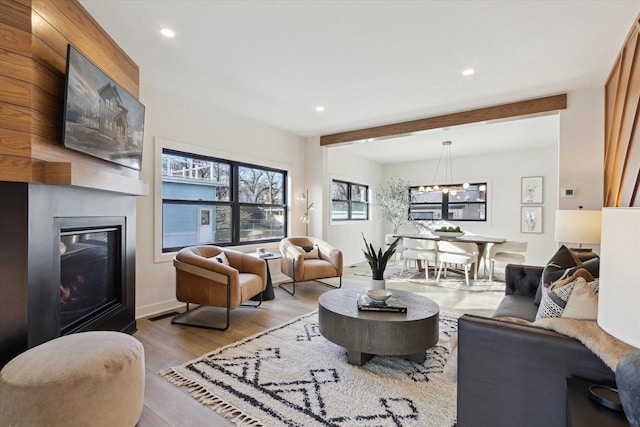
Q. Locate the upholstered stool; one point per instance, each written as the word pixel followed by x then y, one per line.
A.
pixel 84 379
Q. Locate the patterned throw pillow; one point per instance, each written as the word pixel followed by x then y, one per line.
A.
pixel 554 300
pixel 556 269
pixel 575 297
pixel 221 258
pixel 310 252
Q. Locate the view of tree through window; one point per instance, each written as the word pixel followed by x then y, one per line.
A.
pixel 350 201
pixel 459 204
pixel 216 201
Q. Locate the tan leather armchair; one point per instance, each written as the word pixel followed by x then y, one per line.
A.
pixel 294 264
pixel 202 280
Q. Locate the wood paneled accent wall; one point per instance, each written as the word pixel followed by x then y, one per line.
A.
pixel 622 133
pixel 33 46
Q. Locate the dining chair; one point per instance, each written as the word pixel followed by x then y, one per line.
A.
pixel 509 252
pixel 420 250
pixel 458 253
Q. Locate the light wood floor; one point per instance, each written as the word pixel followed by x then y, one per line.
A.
pixel 167 345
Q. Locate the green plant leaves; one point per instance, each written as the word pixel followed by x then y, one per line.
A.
pixel 378 261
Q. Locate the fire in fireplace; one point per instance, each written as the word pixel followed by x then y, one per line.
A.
pixel 91 287
pixel 89 274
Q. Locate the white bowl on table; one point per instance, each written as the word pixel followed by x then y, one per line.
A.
pixel 379 295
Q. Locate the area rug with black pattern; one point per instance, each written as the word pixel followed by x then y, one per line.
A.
pixel 291 375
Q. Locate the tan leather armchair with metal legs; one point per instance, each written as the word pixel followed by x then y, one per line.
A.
pixel 202 280
pixel 303 266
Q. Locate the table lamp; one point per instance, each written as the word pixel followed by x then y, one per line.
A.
pixel 578 226
pixel 619 298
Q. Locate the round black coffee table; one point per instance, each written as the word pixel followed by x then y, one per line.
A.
pixel 368 333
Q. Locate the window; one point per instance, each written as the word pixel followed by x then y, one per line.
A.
pixel 215 201
pixel 461 204
pixel 349 201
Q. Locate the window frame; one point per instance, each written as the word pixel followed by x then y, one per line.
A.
pixel 349 201
pixel 234 200
pixel 444 211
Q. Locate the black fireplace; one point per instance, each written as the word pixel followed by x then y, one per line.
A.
pixel 67 263
pixel 91 274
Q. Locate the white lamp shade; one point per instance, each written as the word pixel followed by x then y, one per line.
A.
pixel 578 226
pixel 619 294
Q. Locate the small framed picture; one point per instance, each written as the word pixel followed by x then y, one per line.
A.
pixel 531 190
pixel 531 219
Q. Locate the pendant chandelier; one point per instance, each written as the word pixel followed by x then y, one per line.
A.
pixel 448 186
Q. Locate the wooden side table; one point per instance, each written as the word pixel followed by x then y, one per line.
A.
pixel 268 293
pixel 583 412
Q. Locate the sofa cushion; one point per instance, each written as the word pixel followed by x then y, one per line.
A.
pixel 517 306
pixel 556 268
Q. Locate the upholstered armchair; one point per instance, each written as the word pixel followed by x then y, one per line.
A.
pixel 214 276
pixel 308 258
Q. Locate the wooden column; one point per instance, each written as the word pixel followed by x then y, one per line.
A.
pixel 622 139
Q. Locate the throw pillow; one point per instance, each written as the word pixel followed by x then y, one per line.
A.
pixel 580 272
pixel 555 269
pixel 310 252
pixel 583 301
pixel 592 266
pixel 221 258
pixel 554 300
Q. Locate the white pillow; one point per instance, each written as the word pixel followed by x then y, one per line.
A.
pixel 583 301
pixel 221 258
pixel 309 252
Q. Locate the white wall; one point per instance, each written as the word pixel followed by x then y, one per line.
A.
pixel 582 148
pixel 172 119
pixel 503 173
pixel 577 163
pixel 347 235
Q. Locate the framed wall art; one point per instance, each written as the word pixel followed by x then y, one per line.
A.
pixel 531 219
pixel 531 190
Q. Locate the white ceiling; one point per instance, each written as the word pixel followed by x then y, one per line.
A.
pixel 369 62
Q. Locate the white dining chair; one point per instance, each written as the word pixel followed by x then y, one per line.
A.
pixel 510 252
pixel 420 250
pixel 457 253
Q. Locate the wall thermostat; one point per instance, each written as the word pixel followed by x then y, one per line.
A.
pixel 568 192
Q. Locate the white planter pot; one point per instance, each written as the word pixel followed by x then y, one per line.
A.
pixel 378 284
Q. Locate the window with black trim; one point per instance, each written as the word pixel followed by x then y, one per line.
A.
pixel 207 200
pixel 349 201
pixel 457 203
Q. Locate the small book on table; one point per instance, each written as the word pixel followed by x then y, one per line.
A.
pixel 392 305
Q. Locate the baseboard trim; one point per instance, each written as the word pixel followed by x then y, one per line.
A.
pixel 153 309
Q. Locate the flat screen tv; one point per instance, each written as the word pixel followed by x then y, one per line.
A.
pixel 100 118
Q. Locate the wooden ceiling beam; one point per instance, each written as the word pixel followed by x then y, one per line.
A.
pixel 497 112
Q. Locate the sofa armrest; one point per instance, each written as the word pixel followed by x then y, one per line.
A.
pixel 515 375
pixel 522 279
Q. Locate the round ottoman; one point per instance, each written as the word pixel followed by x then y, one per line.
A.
pixel 84 379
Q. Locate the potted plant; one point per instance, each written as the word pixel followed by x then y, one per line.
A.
pixel 378 261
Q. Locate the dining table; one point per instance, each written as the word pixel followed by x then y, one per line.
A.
pixel 481 241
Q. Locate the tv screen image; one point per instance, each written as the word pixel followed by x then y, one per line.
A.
pixel 100 118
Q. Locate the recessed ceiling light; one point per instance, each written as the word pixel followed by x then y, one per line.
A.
pixel 168 32
pixel 319 108
pixel 468 72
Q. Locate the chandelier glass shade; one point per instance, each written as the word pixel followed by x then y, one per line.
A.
pixel 447 186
